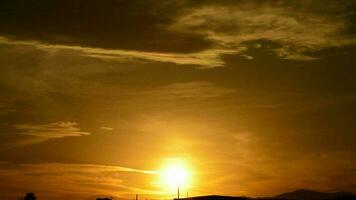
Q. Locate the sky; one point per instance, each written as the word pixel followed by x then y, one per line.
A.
pixel 254 97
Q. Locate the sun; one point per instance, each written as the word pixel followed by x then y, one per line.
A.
pixel 175 174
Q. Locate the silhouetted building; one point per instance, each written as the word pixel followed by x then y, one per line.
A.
pixel 30 196
pixel 103 198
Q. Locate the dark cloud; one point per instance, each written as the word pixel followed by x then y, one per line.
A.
pixel 299 28
pixel 113 24
pixel 182 32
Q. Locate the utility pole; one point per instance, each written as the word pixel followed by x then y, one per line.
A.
pixel 136 196
pixel 178 191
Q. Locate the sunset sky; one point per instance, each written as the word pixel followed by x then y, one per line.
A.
pixel 252 98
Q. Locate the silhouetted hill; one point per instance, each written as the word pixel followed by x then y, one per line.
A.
pixel 213 197
pixel 104 196
pixel 296 195
pixel 314 195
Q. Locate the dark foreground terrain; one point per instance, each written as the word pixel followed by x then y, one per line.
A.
pixel 296 195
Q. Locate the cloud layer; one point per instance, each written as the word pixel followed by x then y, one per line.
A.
pixel 194 33
pixel 58 180
pixel 43 132
pixel 298 32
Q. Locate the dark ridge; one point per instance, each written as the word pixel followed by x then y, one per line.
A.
pixel 301 194
pixel 304 194
pixel 213 197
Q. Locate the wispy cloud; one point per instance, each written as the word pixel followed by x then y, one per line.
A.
pixel 205 59
pixel 106 128
pixel 298 32
pixel 43 132
pixel 199 90
pixel 56 180
pixel 7 105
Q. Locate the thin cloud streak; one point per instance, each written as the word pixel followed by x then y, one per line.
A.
pixel 209 58
pixel 56 180
pixel 190 90
pixel 106 128
pixel 43 132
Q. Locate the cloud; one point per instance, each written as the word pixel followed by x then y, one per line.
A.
pixel 191 34
pixel 48 131
pixel 128 25
pixel 106 128
pixel 7 105
pixel 298 31
pixel 198 90
pixel 58 180
pixel 205 59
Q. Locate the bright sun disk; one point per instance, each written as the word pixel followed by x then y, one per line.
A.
pixel 175 174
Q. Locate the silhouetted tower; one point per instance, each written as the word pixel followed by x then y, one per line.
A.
pixel 178 192
pixel 136 196
pixel 30 196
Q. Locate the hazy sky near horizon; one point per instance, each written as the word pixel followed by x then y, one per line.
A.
pixel 256 97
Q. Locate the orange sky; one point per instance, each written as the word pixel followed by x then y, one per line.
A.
pixel 255 98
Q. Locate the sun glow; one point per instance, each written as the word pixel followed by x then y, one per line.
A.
pixel 175 174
